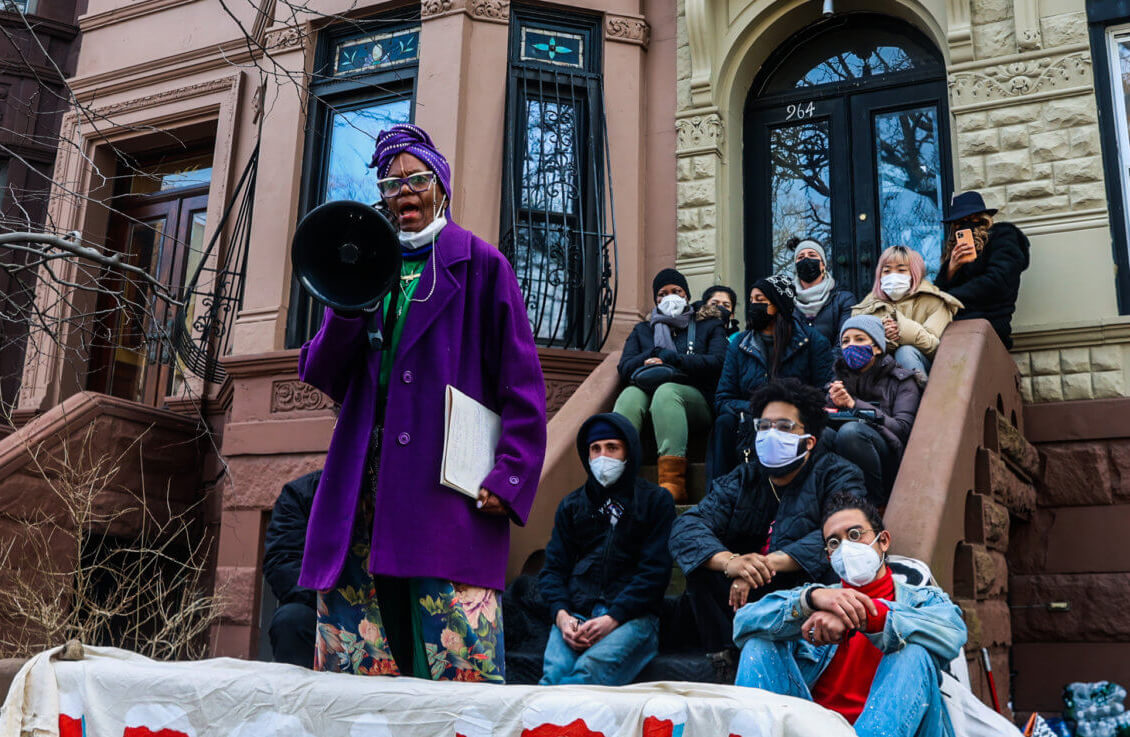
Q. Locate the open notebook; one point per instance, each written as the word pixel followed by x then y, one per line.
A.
pixel 470 436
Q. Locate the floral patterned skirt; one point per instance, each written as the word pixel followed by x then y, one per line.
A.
pixel 456 629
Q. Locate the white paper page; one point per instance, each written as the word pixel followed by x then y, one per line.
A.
pixel 471 435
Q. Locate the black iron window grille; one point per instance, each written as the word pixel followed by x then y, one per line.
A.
pixel 556 187
pixel 364 81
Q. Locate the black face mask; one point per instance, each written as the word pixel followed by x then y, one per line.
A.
pixel 759 317
pixel 808 269
pixel 724 313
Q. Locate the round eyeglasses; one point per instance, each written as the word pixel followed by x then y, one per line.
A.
pixel 418 182
pixel 784 425
pixel 855 534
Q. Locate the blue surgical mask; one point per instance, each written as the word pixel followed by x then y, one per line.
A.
pixel 777 449
pixel 856 356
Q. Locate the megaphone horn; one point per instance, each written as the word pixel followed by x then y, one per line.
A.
pixel 346 255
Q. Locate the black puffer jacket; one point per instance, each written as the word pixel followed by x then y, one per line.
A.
pixel 831 317
pixel 286 539
pixel 703 366
pixel 737 512
pixel 889 390
pixel 590 560
pixel 988 287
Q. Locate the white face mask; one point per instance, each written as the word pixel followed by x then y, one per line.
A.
pixel 672 305
pixel 607 470
pixel 777 449
pixel 857 563
pixel 895 286
pixel 424 237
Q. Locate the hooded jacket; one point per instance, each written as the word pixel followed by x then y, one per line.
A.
pixel 286 538
pixel 592 560
pixel 737 512
pixel 988 287
pixel 890 391
pixel 922 316
pixel 702 367
pixel 808 358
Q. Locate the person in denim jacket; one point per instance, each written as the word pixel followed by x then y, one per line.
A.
pixel 870 648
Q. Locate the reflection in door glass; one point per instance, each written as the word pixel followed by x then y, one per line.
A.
pixel 351 148
pixel 910 182
pixel 799 187
pixel 134 329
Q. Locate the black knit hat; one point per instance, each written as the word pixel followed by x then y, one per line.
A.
pixel 780 291
pixel 669 276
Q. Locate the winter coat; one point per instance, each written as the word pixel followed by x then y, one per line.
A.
pixel 702 367
pixel 831 317
pixel 922 316
pixel 808 358
pixel 889 390
pixel 472 332
pixel 286 537
pixel 737 511
pixel 988 287
pixel 624 565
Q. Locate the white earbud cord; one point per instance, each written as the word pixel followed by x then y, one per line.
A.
pixel 435 274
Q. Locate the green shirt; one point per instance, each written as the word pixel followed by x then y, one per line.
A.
pixel 404 291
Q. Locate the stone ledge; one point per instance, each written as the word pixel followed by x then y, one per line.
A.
pixel 1100 607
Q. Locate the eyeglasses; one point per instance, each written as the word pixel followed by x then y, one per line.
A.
pixel 418 182
pixel 855 534
pixel 762 424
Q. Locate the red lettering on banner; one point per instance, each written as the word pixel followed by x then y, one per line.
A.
pixel 147 732
pixel 576 728
pixel 655 727
pixel 69 726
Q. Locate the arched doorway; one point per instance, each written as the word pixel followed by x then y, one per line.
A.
pixel 846 141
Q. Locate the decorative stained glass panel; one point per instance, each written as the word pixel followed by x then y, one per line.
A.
pixel 379 51
pixel 553 47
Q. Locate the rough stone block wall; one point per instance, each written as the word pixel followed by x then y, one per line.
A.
pixel 697 198
pixel 1085 372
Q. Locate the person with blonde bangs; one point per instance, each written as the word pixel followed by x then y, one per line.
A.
pixel 913 311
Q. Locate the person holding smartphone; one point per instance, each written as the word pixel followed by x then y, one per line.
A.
pixel 981 263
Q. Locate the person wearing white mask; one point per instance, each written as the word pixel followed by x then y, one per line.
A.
pixel 869 648
pixel 914 312
pixel 607 564
pixel 758 528
pixel 671 363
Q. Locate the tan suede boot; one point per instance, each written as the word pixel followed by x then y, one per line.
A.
pixel 673 477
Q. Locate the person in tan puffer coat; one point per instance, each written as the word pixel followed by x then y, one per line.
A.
pixel 914 312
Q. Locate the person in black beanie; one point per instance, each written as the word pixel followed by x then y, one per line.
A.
pixel 775 345
pixel 670 363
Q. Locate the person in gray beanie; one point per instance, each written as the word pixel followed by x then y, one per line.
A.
pixel 820 302
pixel 875 401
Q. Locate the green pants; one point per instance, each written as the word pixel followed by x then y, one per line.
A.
pixel 675 409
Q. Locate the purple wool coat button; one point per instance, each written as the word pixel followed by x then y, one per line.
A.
pixel 404 438
pixel 514 480
pixel 407 377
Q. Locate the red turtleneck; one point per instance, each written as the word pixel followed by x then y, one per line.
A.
pixel 845 683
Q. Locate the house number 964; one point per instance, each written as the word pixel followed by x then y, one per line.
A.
pixel 800 110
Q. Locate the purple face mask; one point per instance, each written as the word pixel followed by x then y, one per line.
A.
pixel 857 356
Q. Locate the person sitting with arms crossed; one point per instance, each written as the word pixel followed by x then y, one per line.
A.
pixel 607 563
pixel 869 648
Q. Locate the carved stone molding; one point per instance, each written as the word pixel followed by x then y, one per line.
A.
pixel 556 394
pixel 164 96
pixel 497 11
pixel 284 37
pixel 296 396
pixel 432 8
pixel 627 30
pixel 699 133
pixel 1020 78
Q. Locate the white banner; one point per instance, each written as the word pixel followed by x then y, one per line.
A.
pixel 115 693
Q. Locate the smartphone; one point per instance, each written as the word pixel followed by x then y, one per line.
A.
pixel 965 237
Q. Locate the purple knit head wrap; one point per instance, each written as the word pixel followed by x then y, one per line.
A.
pixel 405 138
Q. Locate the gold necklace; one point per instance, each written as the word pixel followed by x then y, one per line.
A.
pixel 773 487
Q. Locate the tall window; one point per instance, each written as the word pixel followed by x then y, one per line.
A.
pixel 18 6
pixel 363 82
pixel 555 230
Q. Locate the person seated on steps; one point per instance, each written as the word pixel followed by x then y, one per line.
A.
pixel 820 303
pixel 914 312
pixel 671 364
pixel 758 528
pixel 720 301
pixel 875 401
pixel 869 648
pixel 985 272
pixel 607 564
pixel 776 345
pixel 295 621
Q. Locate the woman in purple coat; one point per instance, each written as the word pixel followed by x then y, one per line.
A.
pixel 408 571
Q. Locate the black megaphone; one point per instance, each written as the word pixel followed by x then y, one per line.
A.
pixel 346 255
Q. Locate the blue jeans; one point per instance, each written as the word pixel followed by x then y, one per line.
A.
pixel 613 661
pixel 904 700
pixel 912 359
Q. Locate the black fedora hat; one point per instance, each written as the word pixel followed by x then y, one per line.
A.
pixel 966 204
